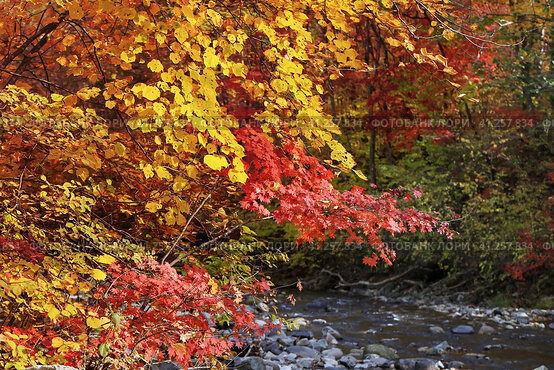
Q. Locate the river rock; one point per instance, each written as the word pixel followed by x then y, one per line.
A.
pixel 303 342
pixel 376 361
pixel 522 317
pixel 357 353
pixel 271 365
pixel 303 351
pixel 381 350
pixel 262 307
pixel 306 362
pixel 333 352
pixel 331 340
pixel 320 345
pixel 417 364
pixel 436 330
pixel 551 326
pixel 456 365
pixel 319 321
pixel 486 330
pixel 251 363
pixel 463 329
pixel 302 334
pixel 329 330
pixel 542 367
pixel 439 349
pixel 479 356
pixel 272 347
pixel 348 361
pixel 285 340
pixel 165 365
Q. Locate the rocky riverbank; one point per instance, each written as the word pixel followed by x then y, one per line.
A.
pixel 316 343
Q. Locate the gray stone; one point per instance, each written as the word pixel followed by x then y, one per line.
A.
pixel 319 322
pixel 166 365
pixel 377 361
pixel 479 356
pixel 357 353
pixel 463 329
pixel 551 326
pixel 320 345
pixel 290 356
pixel 348 361
pixel 303 342
pixel 381 350
pixel 272 365
pixel 522 317
pixel 262 307
pixel 486 330
pixel 417 364
pixel 456 365
pixel 285 341
pixel 329 330
pixel 303 351
pixel 51 367
pixel 333 352
pixel 251 363
pixel 273 347
pixel 306 362
pixel 302 334
pixel 542 367
pixel 331 340
pixel 436 330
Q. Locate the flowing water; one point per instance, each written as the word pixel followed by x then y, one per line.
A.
pixel 362 321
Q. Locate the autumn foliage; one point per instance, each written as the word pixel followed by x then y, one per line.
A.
pixel 136 134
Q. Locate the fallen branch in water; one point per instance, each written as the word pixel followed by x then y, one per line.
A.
pixel 368 284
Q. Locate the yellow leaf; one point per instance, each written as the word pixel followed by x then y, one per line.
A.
pixel 216 162
pixel 163 173
pixel 210 58
pixel 95 323
pixel 110 104
pixel 82 173
pixel 392 42
pixel 179 184
pixel 360 174
pixel 106 259
pixel 98 274
pixel 56 97
pixel 181 35
pixel 238 176
pixel 120 149
pixel 279 85
pixel 53 313
pixel 155 65
pixel 148 171
pixel 76 11
pixel 153 207
pixel 57 342
pixel 151 92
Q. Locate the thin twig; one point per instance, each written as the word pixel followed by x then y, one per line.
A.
pixel 185 229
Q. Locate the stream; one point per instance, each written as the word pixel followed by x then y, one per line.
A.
pixel 406 328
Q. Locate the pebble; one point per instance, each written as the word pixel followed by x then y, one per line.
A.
pixel 334 352
pixel 463 329
pixel 348 361
pixel 436 330
pixel 486 330
pixel 329 330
